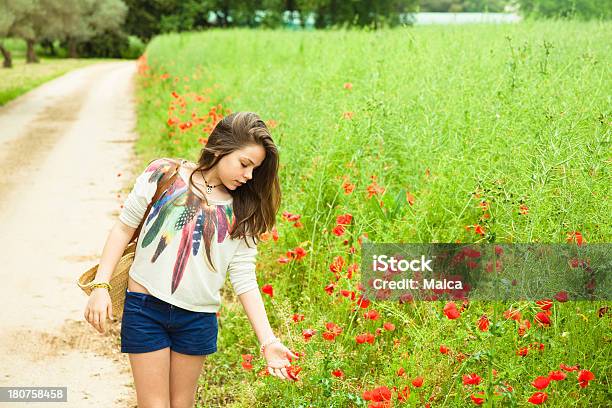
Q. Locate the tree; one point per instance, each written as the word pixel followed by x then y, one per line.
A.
pixel 457 6
pixel 76 21
pixel 25 21
pixel 583 9
pixel 68 20
pixel 7 17
pixel 374 13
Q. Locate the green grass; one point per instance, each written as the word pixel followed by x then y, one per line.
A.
pixel 508 114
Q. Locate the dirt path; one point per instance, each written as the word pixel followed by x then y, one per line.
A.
pixel 61 149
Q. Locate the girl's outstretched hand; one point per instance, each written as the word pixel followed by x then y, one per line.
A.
pixel 277 357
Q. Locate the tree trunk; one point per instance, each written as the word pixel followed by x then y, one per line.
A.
pixel 72 48
pixel 225 15
pixel 30 54
pixel 48 44
pixel 8 60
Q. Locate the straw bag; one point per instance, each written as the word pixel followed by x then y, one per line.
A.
pixel 119 278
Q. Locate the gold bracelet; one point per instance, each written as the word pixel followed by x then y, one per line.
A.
pixel 101 285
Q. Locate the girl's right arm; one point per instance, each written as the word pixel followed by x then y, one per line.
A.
pixel 99 305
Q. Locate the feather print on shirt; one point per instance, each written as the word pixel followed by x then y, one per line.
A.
pixel 179 210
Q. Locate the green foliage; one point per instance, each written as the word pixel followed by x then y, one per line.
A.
pixel 457 6
pixel 71 21
pixel 112 45
pixel 581 9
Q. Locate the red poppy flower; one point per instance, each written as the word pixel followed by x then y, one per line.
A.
pixel 365 338
pixel 444 349
pixel 374 189
pixel 297 253
pixel 363 302
pixel 523 326
pixel 286 215
pixel 523 209
pixel 538 398
pixel 293 371
pixel 344 219
pixel 541 382
pixel 498 266
pixel 450 310
pixel 545 304
pixel 471 379
pixel 512 314
pixel 401 372
pixel 584 376
pixel 297 317
pixel 389 326
pixel 348 85
pixel 542 318
pixel 403 394
pixel 575 236
pixel 348 187
pixel 477 400
pixel 523 351
pixel 557 375
pixel 308 333
pixel 371 314
pixel 417 382
pixel 569 368
pixel 337 264
pixel 338 373
pixel 347 115
pixel 328 335
pixel 330 288
pixel 339 230
pixel 479 230
pixel 333 327
pixel 410 198
pixel 378 394
pixel 268 290
pixel 483 323
pixel 561 296
pixel 246 361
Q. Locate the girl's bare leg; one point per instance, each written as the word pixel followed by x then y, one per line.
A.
pixel 184 373
pixel 151 376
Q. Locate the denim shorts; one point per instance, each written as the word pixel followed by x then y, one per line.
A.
pixel 150 324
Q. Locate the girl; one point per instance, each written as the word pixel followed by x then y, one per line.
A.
pixel 205 224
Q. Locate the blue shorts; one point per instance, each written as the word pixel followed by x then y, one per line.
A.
pixel 151 324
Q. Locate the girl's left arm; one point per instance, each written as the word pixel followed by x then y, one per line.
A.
pixel 256 312
pixel 276 354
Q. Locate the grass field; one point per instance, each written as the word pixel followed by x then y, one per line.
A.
pixel 491 134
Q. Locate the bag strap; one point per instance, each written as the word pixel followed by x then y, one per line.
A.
pixel 162 186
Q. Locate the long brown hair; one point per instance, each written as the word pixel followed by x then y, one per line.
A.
pixel 255 203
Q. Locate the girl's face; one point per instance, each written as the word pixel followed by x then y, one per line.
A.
pixel 237 167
